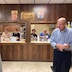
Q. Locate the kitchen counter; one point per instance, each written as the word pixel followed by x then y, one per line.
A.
pixel 13 50
pixel 22 51
pixel 13 42
pixel 39 42
pixel 40 51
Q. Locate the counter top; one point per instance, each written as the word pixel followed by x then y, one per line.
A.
pixel 23 42
pixel 12 42
pixel 40 42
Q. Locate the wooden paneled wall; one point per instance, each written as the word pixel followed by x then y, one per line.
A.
pixel 14 51
pixel 52 12
pixel 24 52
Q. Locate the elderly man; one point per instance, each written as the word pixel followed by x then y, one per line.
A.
pixel 61 41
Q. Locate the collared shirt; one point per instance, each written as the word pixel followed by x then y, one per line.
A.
pixel 42 34
pixel 61 37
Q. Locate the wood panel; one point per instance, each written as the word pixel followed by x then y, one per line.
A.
pixel 40 52
pixel 14 52
pixel 20 52
pixel 52 12
pixel 10 26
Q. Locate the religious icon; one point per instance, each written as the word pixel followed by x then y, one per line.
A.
pixel 14 15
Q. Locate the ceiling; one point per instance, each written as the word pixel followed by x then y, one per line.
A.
pixel 35 1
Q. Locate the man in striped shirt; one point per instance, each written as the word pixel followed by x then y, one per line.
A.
pixel 61 41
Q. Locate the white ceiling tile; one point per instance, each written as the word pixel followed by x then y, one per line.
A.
pixel 34 1
pixel 27 1
pixel 12 1
pixel 68 1
pixel 56 1
pixel 41 1
pixel 2 2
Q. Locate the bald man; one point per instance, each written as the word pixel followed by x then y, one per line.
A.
pixel 61 41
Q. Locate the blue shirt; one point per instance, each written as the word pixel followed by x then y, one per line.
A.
pixel 42 34
pixel 61 37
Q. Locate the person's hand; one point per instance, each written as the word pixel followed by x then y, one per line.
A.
pixel 17 37
pixel 41 36
pixel 3 39
pixel 60 47
pixel 66 46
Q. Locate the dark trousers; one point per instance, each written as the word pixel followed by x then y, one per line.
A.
pixel 62 61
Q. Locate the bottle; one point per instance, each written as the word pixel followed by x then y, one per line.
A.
pixel 68 24
pixel 35 38
pixel 38 39
pixel 71 24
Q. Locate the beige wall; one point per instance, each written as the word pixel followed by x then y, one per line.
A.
pixel 40 27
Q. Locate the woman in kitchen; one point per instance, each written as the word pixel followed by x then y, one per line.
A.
pixel 6 35
pixel 44 36
pixel 33 35
pixel 16 34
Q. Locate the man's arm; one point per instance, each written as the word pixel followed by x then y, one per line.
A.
pixel 69 45
pixel 52 40
pixel 54 44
